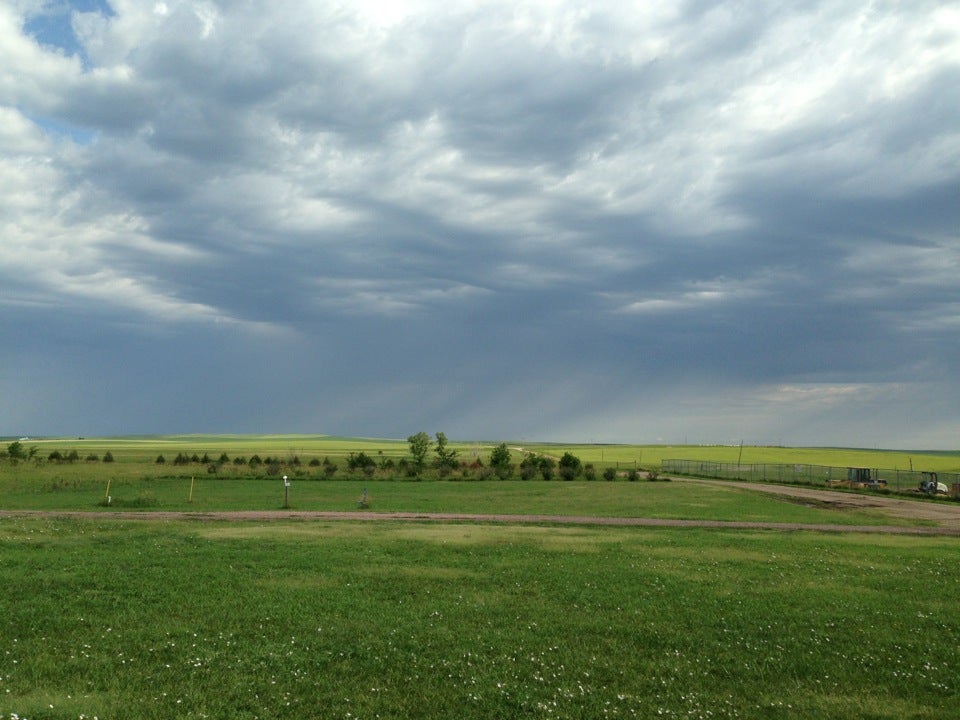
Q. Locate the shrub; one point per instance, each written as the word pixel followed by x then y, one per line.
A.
pixel 360 461
pixel 633 475
pixel 570 466
pixel 610 473
pixel 108 456
pixel 15 451
pixel 55 456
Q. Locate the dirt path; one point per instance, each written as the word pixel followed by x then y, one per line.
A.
pixel 274 515
pixel 945 514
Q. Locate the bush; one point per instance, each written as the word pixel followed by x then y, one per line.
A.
pixel 360 461
pixel 108 456
pixel 610 473
pixel 633 476
pixel 528 472
pixel 570 466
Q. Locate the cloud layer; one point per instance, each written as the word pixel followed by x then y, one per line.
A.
pixel 701 222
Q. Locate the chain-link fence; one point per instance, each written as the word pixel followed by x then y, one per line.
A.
pixel 822 475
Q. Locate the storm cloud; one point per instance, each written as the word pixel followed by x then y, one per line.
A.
pixel 700 222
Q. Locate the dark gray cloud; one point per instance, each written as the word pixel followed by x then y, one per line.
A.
pixel 701 222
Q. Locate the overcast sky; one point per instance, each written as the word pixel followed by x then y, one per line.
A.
pixel 577 221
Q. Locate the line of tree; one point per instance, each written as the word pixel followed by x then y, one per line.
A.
pixel 426 454
pixel 16 452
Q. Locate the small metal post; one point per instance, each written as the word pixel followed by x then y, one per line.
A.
pixel 286 492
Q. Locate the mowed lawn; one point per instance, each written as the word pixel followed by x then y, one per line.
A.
pixel 145 619
pixel 89 488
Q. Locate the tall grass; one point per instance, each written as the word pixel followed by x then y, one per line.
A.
pixel 295 620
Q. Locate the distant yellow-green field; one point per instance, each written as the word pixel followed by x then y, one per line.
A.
pixel 146 448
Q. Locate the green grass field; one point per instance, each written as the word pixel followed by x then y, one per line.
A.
pixel 113 618
pixel 674 500
pixel 145 619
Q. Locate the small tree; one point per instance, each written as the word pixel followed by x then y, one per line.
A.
pixel 446 458
pixel 15 451
pixel 570 466
pixel 500 461
pixel 530 466
pixel 329 468
pixel 419 447
pixel 360 461
pixel 547 468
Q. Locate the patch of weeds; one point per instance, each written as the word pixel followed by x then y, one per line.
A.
pixel 143 501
